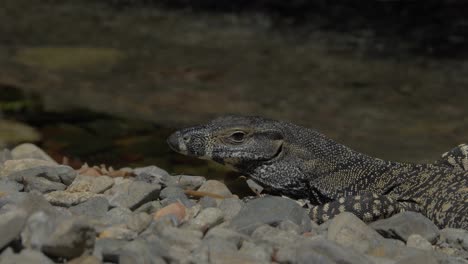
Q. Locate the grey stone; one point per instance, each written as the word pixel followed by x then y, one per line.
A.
pixel 9 186
pixel 402 225
pixel 118 216
pixel 417 241
pixel 12 166
pixel 172 194
pixel 153 175
pixel 274 236
pixel 5 155
pixel 171 252
pixel 118 232
pixel 11 225
pixel 138 222
pixel 289 227
pixel 58 236
pixel 261 253
pixel 25 256
pixel 30 151
pixel 41 184
pixel 207 202
pixel 457 238
pixel 85 259
pixel 108 250
pixel 184 238
pixel 59 173
pixel 270 210
pixel 188 181
pixel 215 250
pixel 230 207
pixel 67 199
pixel 83 183
pixel 95 207
pixel 206 219
pixel 215 187
pixel 139 251
pixel 132 194
pixel 226 234
pixel 30 202
pixel 149 207
pixel 423 258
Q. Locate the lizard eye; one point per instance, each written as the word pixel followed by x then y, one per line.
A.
pixel 237 137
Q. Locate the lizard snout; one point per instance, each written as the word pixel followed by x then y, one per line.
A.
pixel 176 143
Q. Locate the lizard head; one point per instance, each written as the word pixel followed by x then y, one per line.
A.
pixel 237 141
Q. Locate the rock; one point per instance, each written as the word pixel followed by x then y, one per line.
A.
pixel 188 182
pixel 270 210
pixel 139 251
pixel 207 202
pixel 25 256
pixel 8 186
pixel 30 151
pixel 417 241
pixel 423 258
pixel 59 174
pixel 11 225
pixel 85 260
pixel 172 194
pixel 153 175
pixel 319 250
pixel 67 199
pixel 30 202
pixel 215 187
pixel 349 231
pixel 138 222
pixel 118 216
pixel 402 225
pixel 183 238
pixel 206 219
pixel 261 253
pixel 95 207
pixel 458 238
pixel 172 252
pixel 5 155
pixel 132 194
pixel 11 166
pixel 108 249
pixel 83 183
pixel 274 236
pixel 176 209
pixel 230 207
pixel 57 236
pixel 41 184
pixel 289 227
pixel 118 232
pixel 149 207
pixel 226 234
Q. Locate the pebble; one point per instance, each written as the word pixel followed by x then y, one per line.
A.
pixel 11 166
pixel 25 256
pixel 118 232
pixel 206 219
pixel 230 207
pixel 417 241
pixel 95 207
pixel 149 207
pixel 132 194
pixel 176 209
pixel 5 155
pixel 217 188
pixel 83 183
pixel 457 238
pixel 41 184
pixel 153 175
pixel 67 199
pixel 30 151
pixel 172 194
pixel 11 225
pixel 9 186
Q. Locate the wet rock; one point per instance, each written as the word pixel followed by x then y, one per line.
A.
pixel 11 225
pixel 139 222
pixel 402 225
pixel 149 207
pixel 178 210
pixel 207 202
pixel 274 236
pixel 118 232
pixel 153 175
pixel 67 199
pixel 58 237
pixel 132 194
pixel 270 210
pixel 230 207
pixel 25 256
pixel 11 166
pixel 172 194
pixel 206 219
pixel 215 187
pixel 85 260
pixel 41 184
pixel 417 241
pixel 226 234
pixel 108 250
pixel 118 216
pixel 95 207
pixel 457 238
pixel 139 251
pixel 8 186
pixel 30 151
pixel 83 183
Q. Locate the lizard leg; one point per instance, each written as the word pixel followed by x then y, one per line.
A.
pixel 456 157
pixel 368 207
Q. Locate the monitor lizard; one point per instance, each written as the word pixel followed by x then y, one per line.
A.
pixel 302 163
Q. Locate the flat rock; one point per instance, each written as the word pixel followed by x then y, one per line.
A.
pixel 42 185
pixel 188 181
pixel 57 236
pixel 172 194
pixel 314 251
pixel 207 202
pixel 149 207
pixel 59 173
pixel 85 260
pixel 5 155
pixel 138 222
pixel 118 216
pixel 118 232
pixel 153 175
pixel 132 194
pixel 178 210
pixel 402 225
pixel 417 241
pixel 30 202
pixel 11 225
pixel 270 210
pixel 139 252
pixel 108 250
pixel 230 207
pixel 261 253
pixel 215 187
pixel 95 207
pixel 67 199
pixel 274 236
pixel 25 256
pixel 458 238
pixel 226 234
pixel 206 219
pixel 11 166
pixel 9 186
pixel 83 183
pixel 183 238
pixel 30 151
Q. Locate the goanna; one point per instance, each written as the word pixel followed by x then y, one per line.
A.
pixel 299 162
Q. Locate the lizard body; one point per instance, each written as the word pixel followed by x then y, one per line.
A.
pixel 301 163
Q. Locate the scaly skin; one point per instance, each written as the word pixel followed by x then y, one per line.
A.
pixel 298 162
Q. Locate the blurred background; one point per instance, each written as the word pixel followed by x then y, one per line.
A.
pixel 105 82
